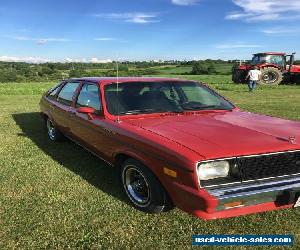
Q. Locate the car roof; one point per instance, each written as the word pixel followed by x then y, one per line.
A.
pixel 105 80
pixel 270 53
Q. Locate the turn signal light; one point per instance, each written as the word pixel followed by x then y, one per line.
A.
pixel 170 172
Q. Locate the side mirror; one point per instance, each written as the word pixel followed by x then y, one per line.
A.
pixel 87 110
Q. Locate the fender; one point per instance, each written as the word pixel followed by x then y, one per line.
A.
pixel 145 160
pixel 262 66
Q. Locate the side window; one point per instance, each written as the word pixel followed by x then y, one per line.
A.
pixel 255 60
pixel 277 60
pixel 52 92
pixel 67 92
pixel 89 96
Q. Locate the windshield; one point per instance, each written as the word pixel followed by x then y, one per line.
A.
pixel 158 97
pixel 274 59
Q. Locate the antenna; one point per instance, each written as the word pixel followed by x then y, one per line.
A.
pixel 118 103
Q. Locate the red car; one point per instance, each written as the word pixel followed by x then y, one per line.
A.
pixel 178 142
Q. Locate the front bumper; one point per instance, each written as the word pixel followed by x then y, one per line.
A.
pixel 282 191
pixel 244 198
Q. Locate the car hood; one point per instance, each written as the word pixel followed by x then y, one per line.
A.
pixel 225 133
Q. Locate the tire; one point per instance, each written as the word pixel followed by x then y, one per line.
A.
pixel 271 76
pixel 53 133
pixel 238 76
pixel 142 188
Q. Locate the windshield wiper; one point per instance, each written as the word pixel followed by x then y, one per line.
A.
pixel 203 107
pixel 147 111
pixel 137 111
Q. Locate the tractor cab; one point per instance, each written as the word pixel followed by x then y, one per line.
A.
pixel 276 59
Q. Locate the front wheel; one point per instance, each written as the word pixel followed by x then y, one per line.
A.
pixel 142 188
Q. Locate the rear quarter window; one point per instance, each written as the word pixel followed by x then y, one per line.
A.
pixel 53 92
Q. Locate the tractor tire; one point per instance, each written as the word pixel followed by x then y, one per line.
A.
pixel 271 76
pixel 238 76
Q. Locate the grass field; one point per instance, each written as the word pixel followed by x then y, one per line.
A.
pixel 221 68
pixel 60 196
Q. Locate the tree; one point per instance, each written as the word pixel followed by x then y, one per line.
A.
pixel 122 67
pixel 199 69
pixel 76 73
pixel 211 69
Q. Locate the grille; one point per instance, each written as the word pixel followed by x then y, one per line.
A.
pixel 263 166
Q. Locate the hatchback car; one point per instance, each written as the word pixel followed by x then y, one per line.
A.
pixel 178 142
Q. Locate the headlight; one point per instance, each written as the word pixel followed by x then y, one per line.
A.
pixel 213 169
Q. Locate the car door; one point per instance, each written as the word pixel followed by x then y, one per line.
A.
pixel 88 132
pixel 63 105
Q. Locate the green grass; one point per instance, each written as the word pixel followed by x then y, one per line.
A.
pixel 60 196
pixel 174 69
pixel 222 68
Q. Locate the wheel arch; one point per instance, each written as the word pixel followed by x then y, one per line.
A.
pixel 44 116
pixel 269 65
pixel 122 156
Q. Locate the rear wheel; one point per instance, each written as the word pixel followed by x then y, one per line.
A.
pixel 271 76
pixel 142 188
pixel 238 76
pixel 53 133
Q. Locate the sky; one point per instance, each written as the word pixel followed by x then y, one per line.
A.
pixel 105 30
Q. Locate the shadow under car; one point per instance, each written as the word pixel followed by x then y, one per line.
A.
pixel 71 156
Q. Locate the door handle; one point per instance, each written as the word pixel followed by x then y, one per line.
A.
pixel 109 131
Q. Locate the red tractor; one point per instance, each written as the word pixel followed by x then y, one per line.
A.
pixel 275 68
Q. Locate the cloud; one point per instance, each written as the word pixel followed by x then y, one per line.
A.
pixel 236 46
pixel 132 17
pixel 32 59
pixel 96 60
pixel 21 38
pixel 104 39
pixel 185 2
pixel 40 41
pixel 265 10
pixel 23 30
pixel 28 59
pixel 55 39
pixel 75 60
pixel 279 30
pixel 85 60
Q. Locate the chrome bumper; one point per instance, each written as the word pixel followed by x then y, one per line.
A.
pixel 282 191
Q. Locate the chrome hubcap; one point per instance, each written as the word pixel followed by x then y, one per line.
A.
pixel 51 130
pixel 270 77
pixel 136 186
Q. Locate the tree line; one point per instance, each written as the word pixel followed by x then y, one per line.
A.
pixel 25 72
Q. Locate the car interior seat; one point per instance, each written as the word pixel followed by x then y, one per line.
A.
pixel 156 100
